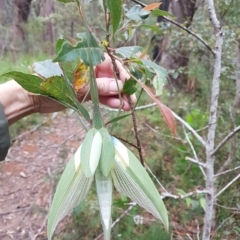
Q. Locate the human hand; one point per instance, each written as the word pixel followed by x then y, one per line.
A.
pixel 23 103
pixel 108 89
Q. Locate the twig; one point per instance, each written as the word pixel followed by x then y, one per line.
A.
pixel 136 131
pixel 227 186
pixel 196 162
pixel 116 70
pixel 223 222
pixel 229 136
pixel 221 173
pixel 15 211
pixel 122 139
pixel 169 195
pixel 194 132
pixel 182 27
pixel 200 139
pixel 150 171
pixel 194 153
pixel 228 208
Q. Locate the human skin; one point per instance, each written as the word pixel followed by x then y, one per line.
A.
pixel 18 103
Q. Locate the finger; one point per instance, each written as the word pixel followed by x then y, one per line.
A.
pixel 109 86
pixel 106 69
pixel 106 87
pixel 133 98
pixel 115 103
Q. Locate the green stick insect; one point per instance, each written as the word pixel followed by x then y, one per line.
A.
pixel 101 157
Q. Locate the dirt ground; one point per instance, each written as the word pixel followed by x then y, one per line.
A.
pixel 29 173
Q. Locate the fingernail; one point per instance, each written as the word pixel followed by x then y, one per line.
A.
pixel 114 87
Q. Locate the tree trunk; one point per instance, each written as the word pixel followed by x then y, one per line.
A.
pixel 21 13
pixel 177 58
pixel 49 36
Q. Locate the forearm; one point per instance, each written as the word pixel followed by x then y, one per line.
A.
pixel 15 101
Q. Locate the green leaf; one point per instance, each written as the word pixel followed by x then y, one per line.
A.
pixel 29 82
pixel 129 87
pixel 203 203
pixel 59 44
pixel 47 69
pixel 108 152
pixel 115 7
pixel 69 53
pixel 153 28
pixel 144 14
pixel 69 69
pixel 160 78
pixel 161 13
pixel 134 12
pixel 91 152
pixel 129 52
pixel 130 178
pixel 58 88
pixel 118 118
pixel 71 190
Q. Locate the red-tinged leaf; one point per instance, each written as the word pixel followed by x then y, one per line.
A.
pixel 166 112
pixel 152 6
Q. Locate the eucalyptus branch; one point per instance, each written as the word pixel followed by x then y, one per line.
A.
pixel 194 132
pixel 221 173
pixel 229 136
pixel 183 28
pixel 227 186
pixel 209 211
pixel 122 139
pixel 139 147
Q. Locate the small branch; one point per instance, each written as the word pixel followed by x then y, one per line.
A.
pixel 136 131
pixel 150 171
pixel 131 144
pixel 194 132
pixel 200 139
pixel 192 33
pixel 196 162
pixel 230 135
pixel 194 153
pixel 221 173
pixel 169 195
pixel 182 27
pixel 227 186
pixel 139 147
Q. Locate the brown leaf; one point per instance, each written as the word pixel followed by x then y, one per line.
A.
pixel 166 112
pixel 152 6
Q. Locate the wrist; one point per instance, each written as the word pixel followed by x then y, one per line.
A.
pixel 17 102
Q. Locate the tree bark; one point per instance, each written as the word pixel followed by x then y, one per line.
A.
pixel 176 58
pixel 21 13
pixel 49 35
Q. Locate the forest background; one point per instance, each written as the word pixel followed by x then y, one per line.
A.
pixel 184 46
